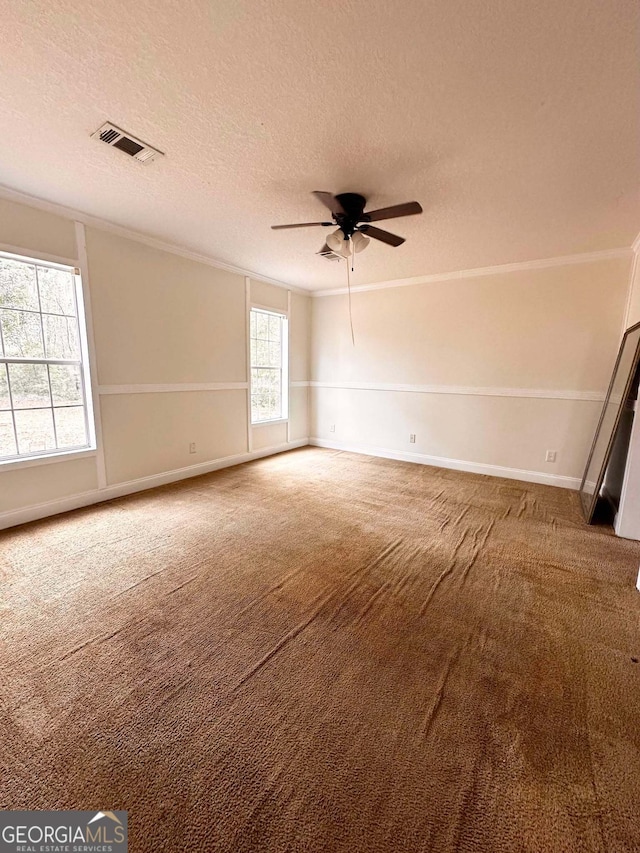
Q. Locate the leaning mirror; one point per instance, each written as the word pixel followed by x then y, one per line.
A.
pixel 619 388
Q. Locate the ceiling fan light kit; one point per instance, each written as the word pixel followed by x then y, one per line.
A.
pixel 354 231
pixel 359 241
pixel 339 244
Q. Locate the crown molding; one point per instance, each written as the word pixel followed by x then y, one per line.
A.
pixel 74 215
pixel 545 263
pixel 138 236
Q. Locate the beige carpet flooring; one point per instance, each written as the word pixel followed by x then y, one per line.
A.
pixel 321 651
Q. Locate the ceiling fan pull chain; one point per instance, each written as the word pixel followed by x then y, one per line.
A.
pixel 353 340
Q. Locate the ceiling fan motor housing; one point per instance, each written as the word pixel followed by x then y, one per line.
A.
pixel 353 206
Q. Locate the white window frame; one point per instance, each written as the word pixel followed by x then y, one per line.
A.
pixel 24 460
pixel 284 370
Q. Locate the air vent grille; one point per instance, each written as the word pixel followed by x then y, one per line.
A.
pixel 108 136
pixel 123 141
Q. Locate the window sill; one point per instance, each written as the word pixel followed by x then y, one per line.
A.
pixel 47 459
pixel 270 423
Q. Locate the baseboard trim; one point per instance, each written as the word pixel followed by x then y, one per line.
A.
pixel 119 490
pixel 455 464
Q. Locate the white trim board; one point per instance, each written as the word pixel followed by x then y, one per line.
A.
pixel 23 515
pixel 154 242
pixel 543 263
pixel 454 464
pixel 178 387
pixel 470 390
pixel 36 461
pixel 171 388
pixel 93 404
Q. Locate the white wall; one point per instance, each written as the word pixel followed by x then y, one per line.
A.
pixel 171 364
pixel 633 308
pixel 488 372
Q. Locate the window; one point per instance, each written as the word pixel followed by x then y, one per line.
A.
pixel 268 339
pixel 43 371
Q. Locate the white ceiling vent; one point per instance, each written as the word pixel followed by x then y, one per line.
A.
pixel 112 135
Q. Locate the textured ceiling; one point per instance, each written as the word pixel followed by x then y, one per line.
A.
pixel 514 124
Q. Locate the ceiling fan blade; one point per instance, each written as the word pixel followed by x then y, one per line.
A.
pixel 329 201
pixel 301 225
pixel 408 209
pixel 383 236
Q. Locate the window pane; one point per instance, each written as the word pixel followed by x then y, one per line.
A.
pixel 262 354
pixel 22 334
pixel 274 328
pixel 35 430
pixel 265 394
pixel 18 285
pixel 266 366
pixel 263 381
pixel 29 385
pixel 70 427
pixel 262 325
pixel 66 384
pixel 274 354
pixel 257 408
pixel 4 388
pixel 56 291
pixel 261 405
pixel 38 321
pixel 7 437
pixel 61 337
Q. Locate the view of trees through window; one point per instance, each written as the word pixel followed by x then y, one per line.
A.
pixel 42 402
pixel 267 335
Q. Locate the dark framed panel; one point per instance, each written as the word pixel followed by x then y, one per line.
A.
pixel 619 388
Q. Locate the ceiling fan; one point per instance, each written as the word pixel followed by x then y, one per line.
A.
pixel 353 231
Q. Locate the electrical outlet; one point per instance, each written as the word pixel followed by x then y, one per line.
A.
pixel 551 456
pixel 412 438
pixel 192 447
pixel 332 428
